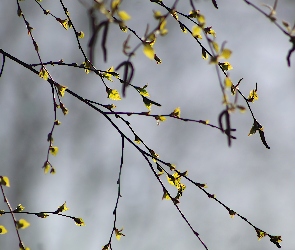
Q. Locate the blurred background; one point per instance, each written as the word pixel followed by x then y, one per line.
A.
pixel 256 182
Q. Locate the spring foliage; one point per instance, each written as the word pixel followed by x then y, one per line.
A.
pixel 211 49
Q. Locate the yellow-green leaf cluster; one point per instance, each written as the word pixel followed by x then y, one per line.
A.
pixel 3 230
pixel 109 73
pixel 201 19
pixel 86 65
pixel 255 127
pixel 276 240
pixel 227 82
pixel 124 15
pixel 4 181
pixel 161 118
pixel 253 96
pixel 176 112
pixel 147 102
pixel 226 66
pixel 215 46
pixel 184 30
pixel 80 34
pixel 210 31
pixel 166 196
pixel 154 155
pixel 43 73
pixel 226 53
pixel 19 208
pixel 63 22
pixel 118 233
pixel 62 208
pixel 175 180
pixel 22 224
pixel 61 90
pixel 46 167
pixel 142 91
pixel 174 14
pixel 53 150
pixel 196 31
pixel 79 222
pixel 148 51
pixel 204 54
pixel 42 215
pixel 113 94
pixel 64 109
pixel 137 139
pixel 157 15
pixel 106 247
pixel 260 233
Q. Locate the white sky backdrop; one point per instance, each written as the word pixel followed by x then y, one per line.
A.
pixel 256 182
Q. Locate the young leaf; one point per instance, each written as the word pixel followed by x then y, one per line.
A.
pixel 163 30
pixel 137 139
pixel 19 208
pixel 61 90
pixel 215 46
pixel 64 109
pixel 204 54
pixel 142 91
pixel 43 74
pixel 196 31
pixel 106 247
pixel 46 167
pixel 119 233
pixel 115 5
pixel 113 94
pixel 148 51
pixel 86 66
pixel 4 181
pixel 226 66
pixel 80 34
pixel 226 53
pixel 182 28
pixel 53 150
pixel 227 82
pixel 42 215
pixel 3 230
pixel 79 222
pixel 109 73
pixel 64 23
pixel 155 155
pixel 176 112
pixel 260 233
pixel 62 208
pixel 147 102
pixel 276 240
pixel 161 118
pixel 253 96
pixel 166 196
pixel 201 19
pixel 22 224
pixel 124 15
pixel 210 31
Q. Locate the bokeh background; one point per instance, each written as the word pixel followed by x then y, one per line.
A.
pixel 256 182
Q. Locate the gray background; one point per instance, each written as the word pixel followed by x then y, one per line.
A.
pixel 256 182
